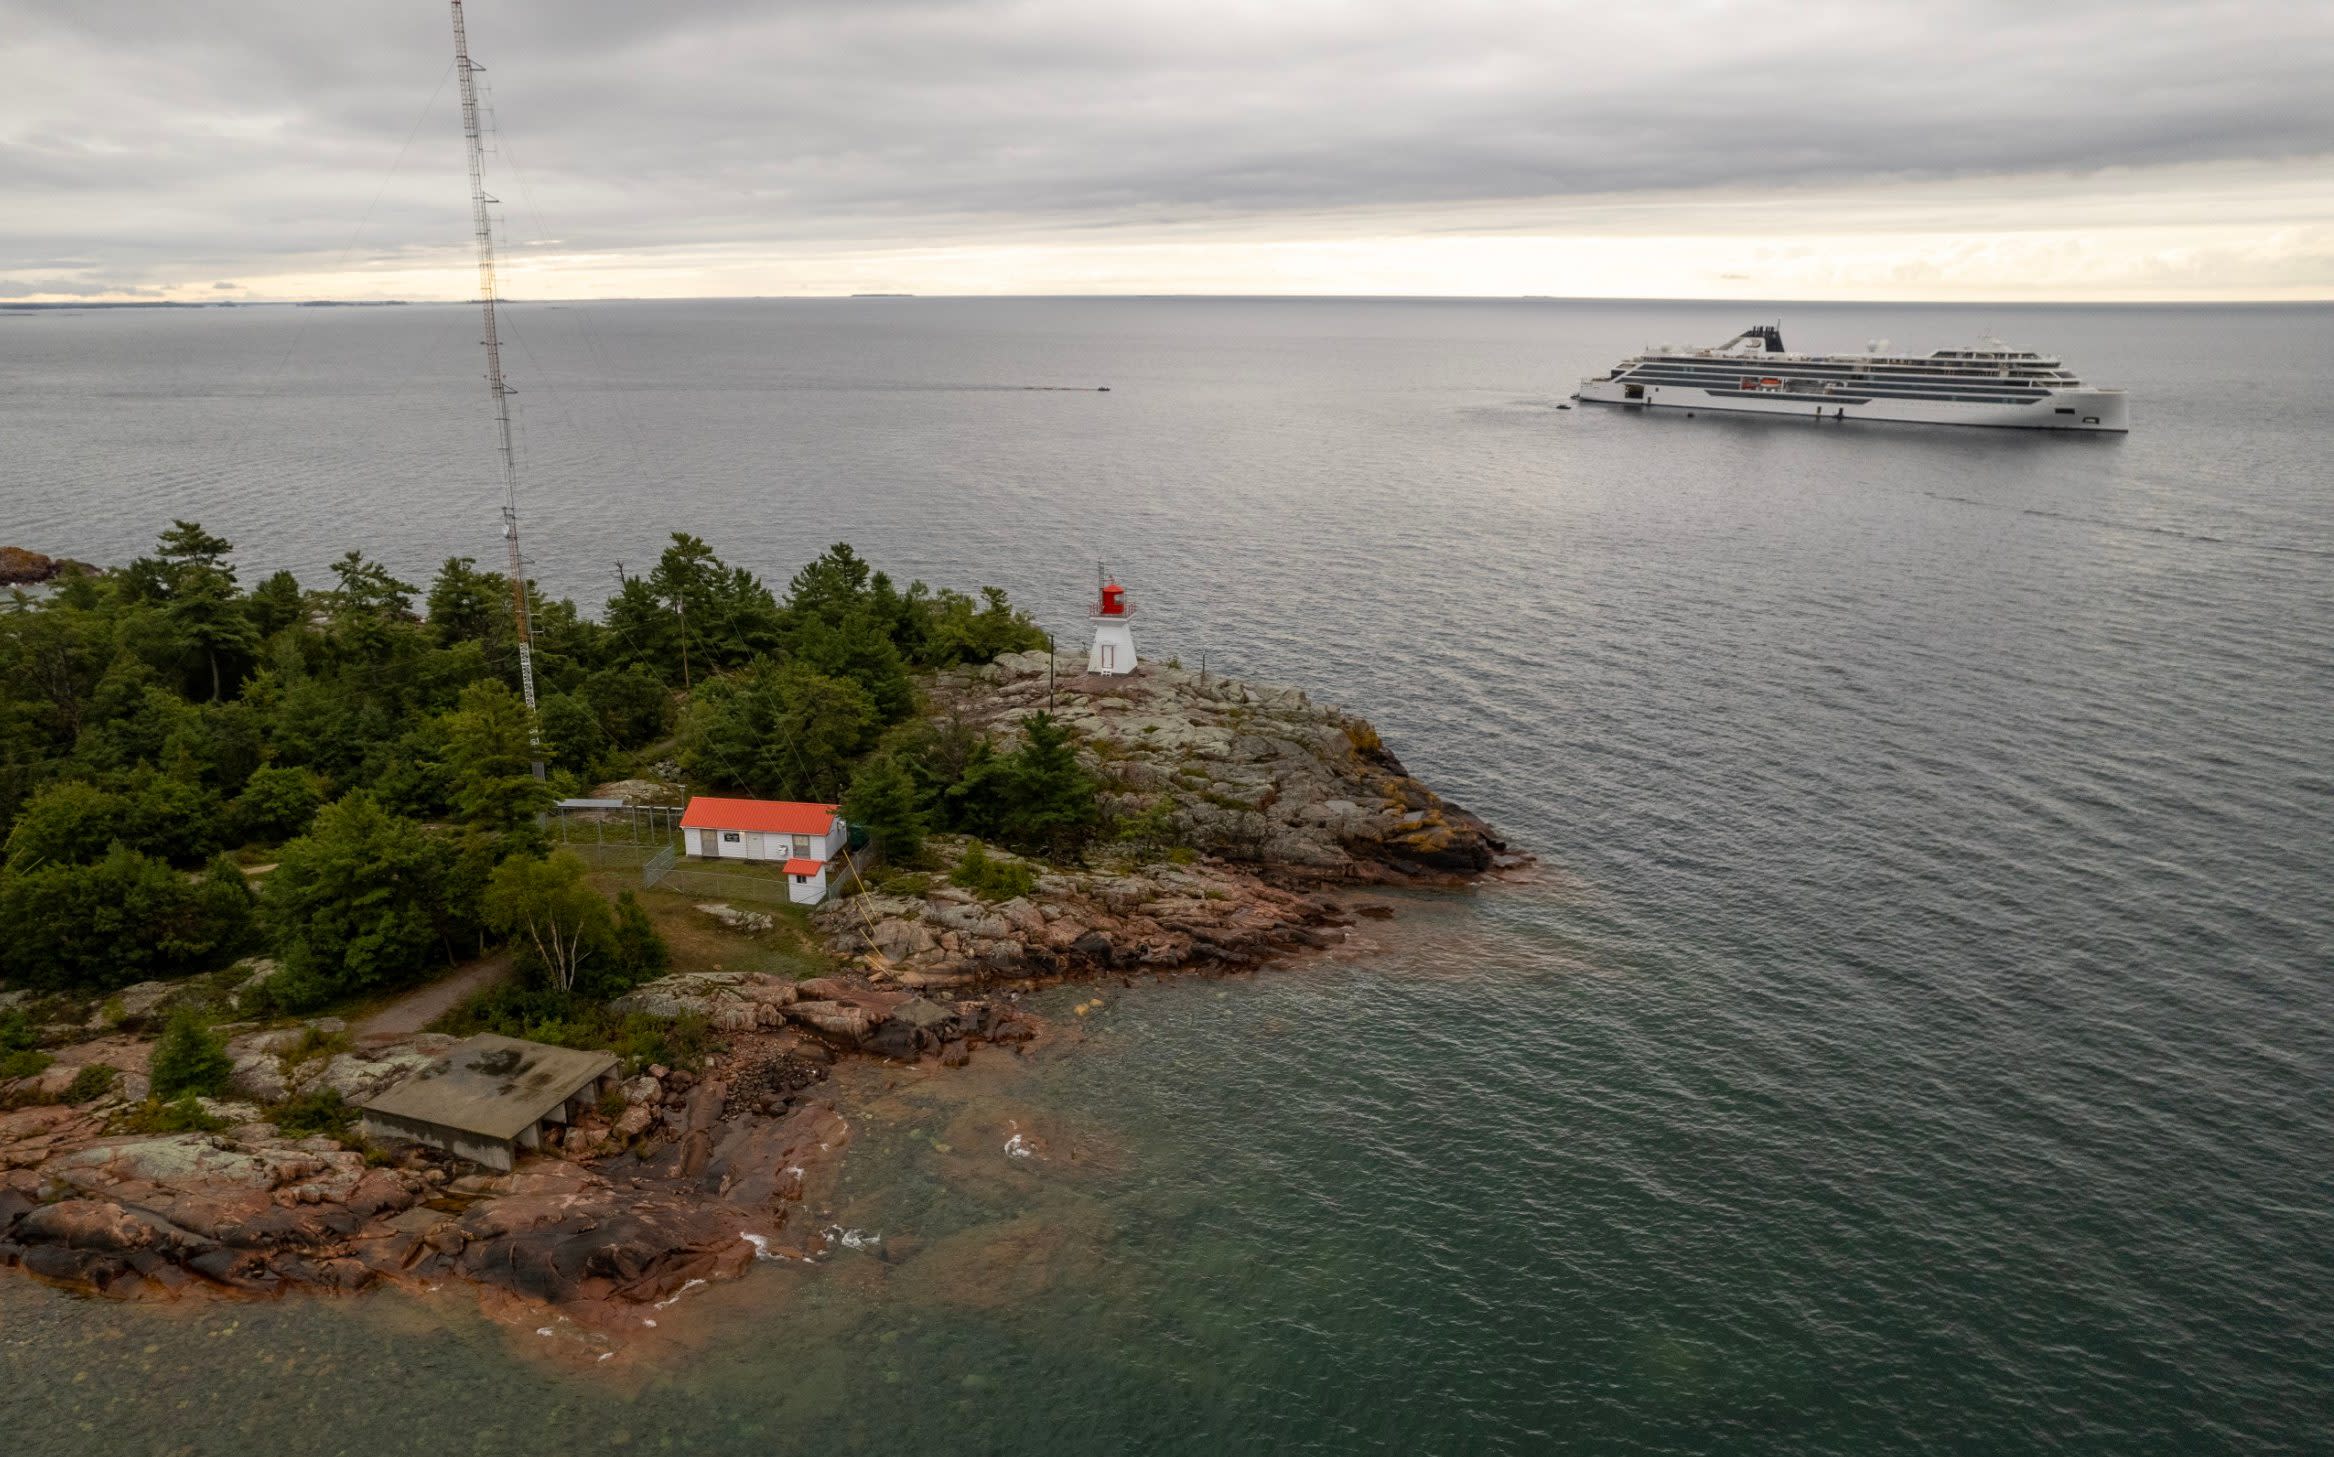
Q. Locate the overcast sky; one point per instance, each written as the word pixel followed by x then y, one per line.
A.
pixel 1877 149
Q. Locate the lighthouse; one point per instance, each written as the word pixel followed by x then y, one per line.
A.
pixel 1114 637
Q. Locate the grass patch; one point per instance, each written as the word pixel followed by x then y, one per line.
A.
pixel 697 942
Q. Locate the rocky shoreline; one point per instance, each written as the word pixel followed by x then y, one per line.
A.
pixel 692 1178
pixel 1286 817
pixel 21 567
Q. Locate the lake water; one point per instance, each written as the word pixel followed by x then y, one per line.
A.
pixel 1917 1038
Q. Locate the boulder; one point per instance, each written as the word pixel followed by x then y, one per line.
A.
pixel 142 1000
pixel 900 940
pixel 835 1019
pixel 360 1074
pixel 85 1224
pixel 259 1076
pixel 261 970
pixel 748 922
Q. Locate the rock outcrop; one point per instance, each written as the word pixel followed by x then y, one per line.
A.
pixel 1253 774
pixel 20 567
pixel 1156 917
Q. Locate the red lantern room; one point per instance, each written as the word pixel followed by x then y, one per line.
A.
pixel 1114 602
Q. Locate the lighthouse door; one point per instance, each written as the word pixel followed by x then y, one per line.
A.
pixel 1109 657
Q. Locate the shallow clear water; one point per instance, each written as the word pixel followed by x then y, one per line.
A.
pixel 1916 1041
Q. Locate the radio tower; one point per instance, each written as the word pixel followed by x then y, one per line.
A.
pixel 483 222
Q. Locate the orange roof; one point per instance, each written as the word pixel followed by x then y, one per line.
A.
pixel 805 867
pixel 771 816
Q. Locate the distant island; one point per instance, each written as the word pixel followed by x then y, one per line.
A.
pixel 275 849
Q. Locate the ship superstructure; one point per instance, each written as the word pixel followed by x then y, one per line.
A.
pixel 1752 373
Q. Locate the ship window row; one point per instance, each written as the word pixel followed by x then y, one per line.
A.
pixel 1922 371
pixel 1730 375
pixel 1877 390
pixel 1705 371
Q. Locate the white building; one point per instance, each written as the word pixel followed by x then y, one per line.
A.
pixel 1114 637
pixel 807 838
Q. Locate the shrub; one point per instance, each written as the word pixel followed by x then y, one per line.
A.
pixel 24 1062
pixel 315 1042
pixel 540 1014
pixel 323 1113
pixel 275 804
pixel 16 1031
pixel 891 880
pixel 94 1081
pixel 640 953
pixel 190 1059
pixel 991 878
pixel 184 1115
pixel 125 918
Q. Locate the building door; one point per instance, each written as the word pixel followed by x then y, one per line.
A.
pixel 1109 657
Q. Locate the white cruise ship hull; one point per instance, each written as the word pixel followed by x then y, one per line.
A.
pixel 2082 410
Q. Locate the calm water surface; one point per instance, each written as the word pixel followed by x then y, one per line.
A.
pixel 1917 1042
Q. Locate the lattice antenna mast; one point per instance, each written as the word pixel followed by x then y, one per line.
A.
pixel 483 222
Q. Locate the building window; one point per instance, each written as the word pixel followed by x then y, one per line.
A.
pixel 802 880
pixel 802 844
pixel 729 837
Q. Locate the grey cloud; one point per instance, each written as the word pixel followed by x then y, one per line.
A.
pixel 165 135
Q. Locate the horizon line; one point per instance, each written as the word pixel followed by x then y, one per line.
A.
pixel 871 296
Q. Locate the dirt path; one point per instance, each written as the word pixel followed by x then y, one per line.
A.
pixel 423 1005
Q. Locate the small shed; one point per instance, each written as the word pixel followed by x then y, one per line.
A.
pixel 804 837
pixel 490 1097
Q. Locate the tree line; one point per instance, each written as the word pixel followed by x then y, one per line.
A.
pixel 364 736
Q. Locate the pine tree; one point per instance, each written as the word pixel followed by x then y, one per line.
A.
pixel 190 1058
pixel 492 758
pixel 1054 807
pixel 883 802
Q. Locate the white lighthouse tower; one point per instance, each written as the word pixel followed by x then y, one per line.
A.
pixel 1114 637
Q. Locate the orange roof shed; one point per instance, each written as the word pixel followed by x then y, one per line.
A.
pixel 769 816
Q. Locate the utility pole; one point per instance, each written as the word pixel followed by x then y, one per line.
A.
pixel 482 222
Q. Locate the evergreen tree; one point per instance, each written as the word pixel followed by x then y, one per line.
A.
pixel 275 604
pixel 634 707
pixel 199 600
pixel 364 899
pixel 189 1060
pixel 726 617
pixel 1054 806
pixel 781 731
pixel 883 802
pixel 491 758
pixel 367 607
pixel 466 604
pixel 571 735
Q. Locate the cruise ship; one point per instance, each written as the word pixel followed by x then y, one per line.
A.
pixel 1753 373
